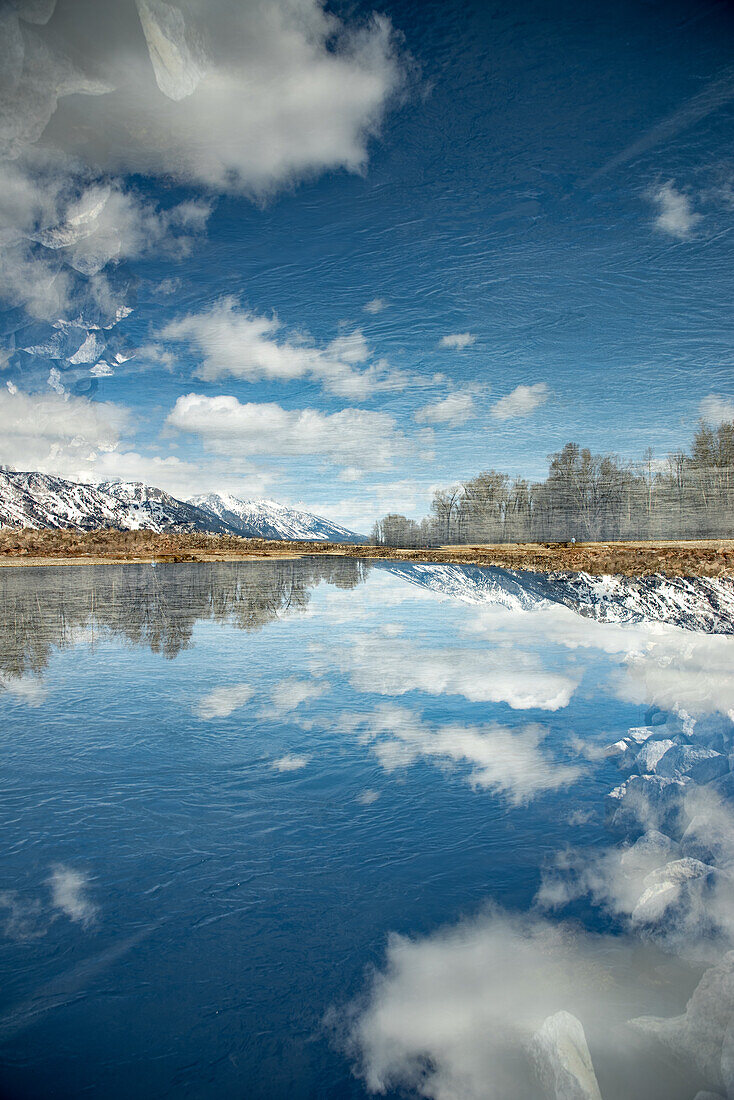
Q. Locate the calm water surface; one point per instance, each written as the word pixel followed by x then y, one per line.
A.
pixel 308 829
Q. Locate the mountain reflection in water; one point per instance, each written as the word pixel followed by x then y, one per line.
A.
pixel 46 608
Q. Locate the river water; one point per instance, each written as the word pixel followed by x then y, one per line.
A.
pixel 330 829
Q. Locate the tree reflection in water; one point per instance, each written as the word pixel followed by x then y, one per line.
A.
pixel 43 609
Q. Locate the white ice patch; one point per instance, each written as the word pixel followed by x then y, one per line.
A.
pixel 177 65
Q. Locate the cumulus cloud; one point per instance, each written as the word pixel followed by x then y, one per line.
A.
pixel 717 409
pixel 42 430
pixel 512 676
pixel 659 663
pixel 522 401
pixel 672 891
pixel 457 340
pixel 676 216
pixel 453 410
pixel 236 97
pixel 107 224
pixel 69 894
pixel 29 918
pixel 178 477
pixel 292 693
pixel 684 673
pixel 350 437
pixel 454 1014
pixel 60 228
pixel 73 437
pixel 37 73
pixel 223 701
pixel 375 305
pixel 291 762
pixel 238 343
pixel 507 761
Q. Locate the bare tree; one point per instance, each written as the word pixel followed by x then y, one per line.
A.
pixel 587 496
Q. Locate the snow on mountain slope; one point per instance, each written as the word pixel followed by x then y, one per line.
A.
pixel 43 501
pixel 29 499
pixel 271 520
pixel 703 604
pixel 157 510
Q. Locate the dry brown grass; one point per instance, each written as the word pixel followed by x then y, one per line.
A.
pixel 709 558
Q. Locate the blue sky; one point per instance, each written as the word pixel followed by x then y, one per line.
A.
pixel 342 256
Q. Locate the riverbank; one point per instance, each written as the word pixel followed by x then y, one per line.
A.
pixel 705 558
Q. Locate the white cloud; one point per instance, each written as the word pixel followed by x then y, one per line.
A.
pixel 350 437
pixel 82 225
pixel 507 761
pixel 717 409
pixel 661 884
pixel 678 670
pixel 376 305
pixel 291 762
pixel 682 672
pixel 53 429
pixel 394 667
pixel 238 343
pixel 451 1015
pixel 457 340
pixel 223 701
pixel 69 894
pixel 25 919
pixel 453 410
pixel 291 694
pixel 33 282
pixel 26 689
pixel 237 97
pixel 373 500
pixel 521 402
pixel 73 437
pixel 676 216
pixel 178 477
pixel 107 224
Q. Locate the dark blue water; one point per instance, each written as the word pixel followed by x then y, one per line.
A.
pixel 225 787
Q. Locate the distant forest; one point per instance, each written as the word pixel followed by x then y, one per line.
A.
pixel 587 497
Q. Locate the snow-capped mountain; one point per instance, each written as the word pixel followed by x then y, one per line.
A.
pixel 43 501
pixel 158 510
pixel 270 520
pixel 704 604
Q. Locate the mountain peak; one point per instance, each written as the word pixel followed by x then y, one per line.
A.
pixel 42 501
pixel 270 519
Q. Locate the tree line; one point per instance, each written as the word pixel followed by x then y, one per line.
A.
pixel 587 497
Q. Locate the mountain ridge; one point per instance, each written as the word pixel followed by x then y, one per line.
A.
pixel 270 519
pixel 45 502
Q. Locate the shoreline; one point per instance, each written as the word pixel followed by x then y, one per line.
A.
pixel 702 558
